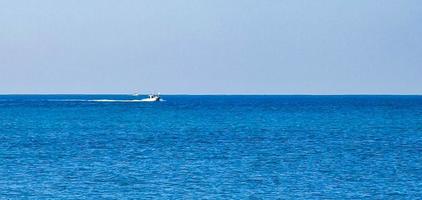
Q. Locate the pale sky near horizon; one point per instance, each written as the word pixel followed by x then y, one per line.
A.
pixel 211 46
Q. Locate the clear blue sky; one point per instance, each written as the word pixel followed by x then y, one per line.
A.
pixel 211 46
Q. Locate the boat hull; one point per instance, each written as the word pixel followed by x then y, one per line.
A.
pixel 150 99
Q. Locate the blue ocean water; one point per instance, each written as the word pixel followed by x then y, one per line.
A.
pixel 211 147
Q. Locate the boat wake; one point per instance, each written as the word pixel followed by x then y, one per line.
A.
pixel 113 100
pixel 124 101
pixel 104 100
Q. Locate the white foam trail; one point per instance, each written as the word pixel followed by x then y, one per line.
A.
pixel 115 100
pixel 120 100
pixel 70 100
pixel 104 100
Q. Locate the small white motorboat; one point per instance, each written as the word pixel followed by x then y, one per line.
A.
pixel 152 98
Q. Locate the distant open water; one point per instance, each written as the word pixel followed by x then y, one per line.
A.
pixel 211 147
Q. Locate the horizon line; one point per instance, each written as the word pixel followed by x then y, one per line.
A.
pixel 227 94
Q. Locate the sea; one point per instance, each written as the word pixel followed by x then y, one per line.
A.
pixel 210 147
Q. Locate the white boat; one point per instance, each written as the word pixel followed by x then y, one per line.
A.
pixel 152 98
